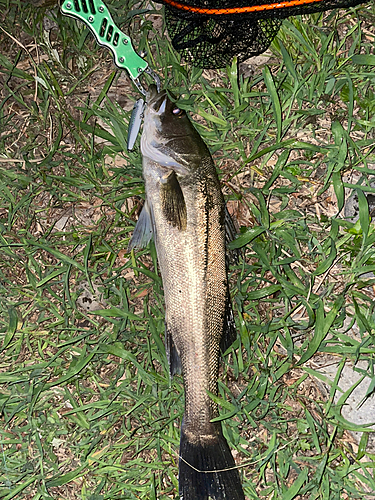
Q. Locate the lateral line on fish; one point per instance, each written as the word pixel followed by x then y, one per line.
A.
pixel 239 466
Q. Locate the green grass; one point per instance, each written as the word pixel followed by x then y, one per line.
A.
pixel 87 410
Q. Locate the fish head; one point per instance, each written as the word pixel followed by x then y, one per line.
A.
pixel 169 137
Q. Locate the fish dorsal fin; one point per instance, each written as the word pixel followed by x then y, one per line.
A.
pixel 231 226
pixel 143 230
pixel 229 327
pixel 173 202
pixel 231 231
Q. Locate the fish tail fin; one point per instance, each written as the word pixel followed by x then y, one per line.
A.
pixel 207 469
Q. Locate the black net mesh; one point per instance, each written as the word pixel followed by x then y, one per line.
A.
pixel 209 33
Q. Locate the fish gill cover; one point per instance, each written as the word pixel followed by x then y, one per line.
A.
pixel 209 33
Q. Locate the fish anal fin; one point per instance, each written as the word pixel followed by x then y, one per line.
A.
pixel 172 354
pixel 143 230
pixel 173 202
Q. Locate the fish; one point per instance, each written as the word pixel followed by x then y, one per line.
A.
pixel 185 213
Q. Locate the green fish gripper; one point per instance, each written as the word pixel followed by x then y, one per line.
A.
pixel 95 15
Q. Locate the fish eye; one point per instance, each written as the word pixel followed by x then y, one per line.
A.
pixel 177 111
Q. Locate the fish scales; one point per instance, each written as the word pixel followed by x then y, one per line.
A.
pixel 192 265
pixel 186 215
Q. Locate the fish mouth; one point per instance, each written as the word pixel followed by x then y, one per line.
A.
pixel 156 100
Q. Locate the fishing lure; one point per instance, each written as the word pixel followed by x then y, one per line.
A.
pixel 135 122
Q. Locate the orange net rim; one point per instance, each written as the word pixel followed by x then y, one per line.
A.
pixel 239 10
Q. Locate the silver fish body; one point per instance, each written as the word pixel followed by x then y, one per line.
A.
pixel 185 212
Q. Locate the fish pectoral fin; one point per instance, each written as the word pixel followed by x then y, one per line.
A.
pixel 173 202
pixel 143 230
pixel 229 327
pixel 173 357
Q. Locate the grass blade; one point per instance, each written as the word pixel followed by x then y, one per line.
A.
pixel 270 84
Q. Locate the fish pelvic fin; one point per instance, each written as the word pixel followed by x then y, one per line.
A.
pixel 143 231
pixel 207 469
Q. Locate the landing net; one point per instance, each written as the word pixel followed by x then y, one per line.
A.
pixel 209 33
